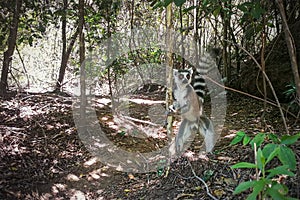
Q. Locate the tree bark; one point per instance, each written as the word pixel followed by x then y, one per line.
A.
pixel 12 38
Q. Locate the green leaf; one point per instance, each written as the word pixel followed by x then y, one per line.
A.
pixel 272 155
pixel 261 160
pixel 246 140
pixel 238 138
pixel 167 2
pixel 278 191
pixel 270 24
pixel 243 165
pixel 258 187
pixel 274 138
pixel 258 139
pixel 244 7
pixel 270 151
pixel 275 194
pixel 244 186
pixel 257 11
pixel 287 157
pixel 280 170
pixel 205 2
pixel 186 10
pixel 179 2
pixel 217 11
pixel 282 189
pixel 289 139
pixel 290 198
pixel 158 4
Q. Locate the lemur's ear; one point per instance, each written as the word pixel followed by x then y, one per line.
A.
pixel 191 70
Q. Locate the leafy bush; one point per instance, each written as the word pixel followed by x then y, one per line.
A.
pixel 266 185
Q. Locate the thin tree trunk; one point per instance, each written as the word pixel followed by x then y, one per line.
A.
pixel 11 47
pixel 225 52
pixel 64 61
pixel 236 49
pixel 81 33
pixel 169 67
pixel 291 47
pixel 263 64
pixel 109 71
pixel 182 37
pixel 64 45
pixel 65 51
pixel 196 33
pixel 226 24
pixel 83 101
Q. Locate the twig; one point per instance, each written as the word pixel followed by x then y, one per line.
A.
pixel 141 121
pixel 247 94
pixel 23 65
pixel 200 179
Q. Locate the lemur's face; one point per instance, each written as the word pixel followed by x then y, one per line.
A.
pixel 182 77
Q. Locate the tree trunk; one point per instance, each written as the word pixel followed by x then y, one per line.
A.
pixel 196 33
pixel 64 45
pixel 66 51
pixel 81 33
pixel 83 100
pixel 169 70
pixel 11 47
pixel 108 54
pixel 263 63
pixel 226 28
pixel 182 37
pixel 225 52
pixel 291 47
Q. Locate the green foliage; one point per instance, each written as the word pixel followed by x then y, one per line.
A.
pixel 251 10
pixel 216 8
pixel 97 13
pixel 254 18
pixel 291 97
pixel 266 186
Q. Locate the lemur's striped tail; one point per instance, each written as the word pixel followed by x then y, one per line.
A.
pixel 207 62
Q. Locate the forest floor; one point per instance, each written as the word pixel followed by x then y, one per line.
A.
pixel 42 156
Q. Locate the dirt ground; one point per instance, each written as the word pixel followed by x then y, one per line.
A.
pixel 42 156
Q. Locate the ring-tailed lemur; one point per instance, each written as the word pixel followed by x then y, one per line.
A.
pixel 190 107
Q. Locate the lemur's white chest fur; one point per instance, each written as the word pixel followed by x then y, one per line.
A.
pixel 188 103
pixel 180 95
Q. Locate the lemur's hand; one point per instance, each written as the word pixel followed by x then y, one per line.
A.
pixel 172 109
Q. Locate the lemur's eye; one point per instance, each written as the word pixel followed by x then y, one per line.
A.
pixel 181 76
pixel 188 76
